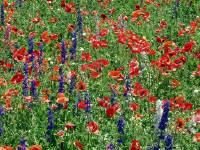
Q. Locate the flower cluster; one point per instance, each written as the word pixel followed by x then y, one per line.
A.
pixel 1 114
pixel 2 14
pixel 50 126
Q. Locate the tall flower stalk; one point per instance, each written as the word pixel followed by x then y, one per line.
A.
pixel 25 80
pixel 33 90
pixel 80 25
pixel 61 81
pixel 7 36
pixel 74 44
pixel 1 114
pixel 31 46
pixel 50 126
pixel 2 14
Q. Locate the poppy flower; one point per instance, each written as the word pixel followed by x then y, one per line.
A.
pixel 78 144
pixel 134 107
pixel 69 126
pixel 94 75
pixel 3 82
pixel 86 57
pixel 54 36
pixel 62 100
pixel 103 32
pixel 4 147
pixel 81 86
pixel 71 27
pixel 92 127
pixel 60 133
pixel 35 20
pixel 175 83
pixel 196 137
pixel 28 99
pixel 143 93
pixel 114 74
pixel 82 105
pixel 35 147
pixel 103 103
pixel 110 111
pixel 152 99
pixel 17 78
pixel 135 145
pixel 187 106
pixel 45 99
pixel 53 20
pixel 179 123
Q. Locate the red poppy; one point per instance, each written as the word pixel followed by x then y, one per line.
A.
pixel 86 57
pixel 175 83
pixel 135 145
pixel 92 127
pixel 82 105
pixel 94 75
pixel 53 20
pixel 79 145
pixel 54 36
pixel 81 86
pixel 4 147
pixel 103 32
pixel 110 111
pixel 187 106
pixel 71 27
pixel 69 126
pixel 196 137
pixel 17 78
pixel 134 106
pixel 35 20
pixel 163 24
pixel 143 93
pixel 179 123
pixel 152 99
pixel 114 74
pixel 60 133
pixel 35 147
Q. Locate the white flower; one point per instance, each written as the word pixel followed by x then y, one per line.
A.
pixel 81 49
pixel 196 91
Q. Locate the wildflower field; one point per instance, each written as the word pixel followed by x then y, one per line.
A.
pixel 100 75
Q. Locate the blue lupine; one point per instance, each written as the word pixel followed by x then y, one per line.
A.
pixel 16 45
pixel 23 143
pixel 61 84
pixel 20 3
pixel 110 146
pixel 80 22
pixel 74 44
pixel 64 52
pixel 50 126
pixel 25 80
pixel 128 82
pixel 33 90
pixel 120 141
pixel 175 7
pixel 114 97
pixel 31 46
pixel 72 84
pixel 2 14
pixel 41 54
pixel 120 125
pixel 87 98
pixel 164 119
pixel 1 114
pixel 168 142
